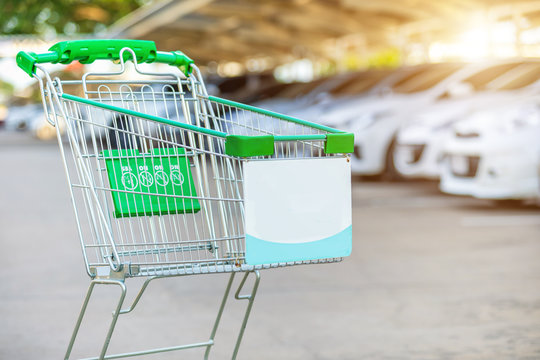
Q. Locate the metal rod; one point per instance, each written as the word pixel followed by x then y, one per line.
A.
pixel 251 299
pixel 79 319
pixel 184 248
pixel 220 312
pixel 153 351
pixel 116 313
pixel 156 194
pixel 83 311
pixel 139 295
pixel 175 242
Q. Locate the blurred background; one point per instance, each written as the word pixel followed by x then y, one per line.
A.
pixel 446 92
pixel 444 100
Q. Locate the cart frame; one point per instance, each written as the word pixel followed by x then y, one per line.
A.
pixel 119 260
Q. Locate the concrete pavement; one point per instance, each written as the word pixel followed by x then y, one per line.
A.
pixel 431 277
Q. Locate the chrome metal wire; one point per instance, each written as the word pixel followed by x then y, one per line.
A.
pixel 166 242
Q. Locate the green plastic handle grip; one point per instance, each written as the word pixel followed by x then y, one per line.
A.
pixel 87 51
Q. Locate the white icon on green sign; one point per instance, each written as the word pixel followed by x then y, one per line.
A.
pixel 146 179
pixel 129 180
pixel 177 178
pixel 161 178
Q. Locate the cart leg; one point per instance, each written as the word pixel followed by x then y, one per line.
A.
pixel 250 298
pixel 79 320
pixel 218 317
pixel 139 295
pixel 116 313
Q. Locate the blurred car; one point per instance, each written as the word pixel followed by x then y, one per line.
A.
pixel 303 97
pixel 279 98
pixel 495 154
pixel 3 115
pixel 240 88
pixel 20 117
pixel 159 101
pixel 354 88
pixel 282 97
pixel 376 120
pixel 418 152
pixel 338 89
pixel 151 99
pixel 310 100
pixel 30 118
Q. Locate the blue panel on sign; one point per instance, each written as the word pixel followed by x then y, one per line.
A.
pixel 260 251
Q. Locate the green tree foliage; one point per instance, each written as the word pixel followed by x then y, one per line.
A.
pixel 51 17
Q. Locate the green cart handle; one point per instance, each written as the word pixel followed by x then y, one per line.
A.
pixel 87 51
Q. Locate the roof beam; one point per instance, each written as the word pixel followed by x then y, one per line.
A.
pixel 220 48
pixel 398 8
pixel 152 17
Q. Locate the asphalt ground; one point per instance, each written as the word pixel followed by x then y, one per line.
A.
pixel 431 277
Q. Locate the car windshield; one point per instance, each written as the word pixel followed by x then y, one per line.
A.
pixel 360 83
pixel 298 89
pixel 480 80
pixel 531 75
pixel 426 79
pixel 405 74
pixel 265 93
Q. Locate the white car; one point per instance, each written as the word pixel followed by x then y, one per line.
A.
pixel 294 99
pixel 30 117
pixel 495 154
pixel 307 100
pixel 375 121
pixel 356 89
pixel 418 152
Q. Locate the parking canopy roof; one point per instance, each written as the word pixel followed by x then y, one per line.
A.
pixel 237 30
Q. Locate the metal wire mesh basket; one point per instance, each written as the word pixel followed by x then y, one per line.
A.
pixel 167 180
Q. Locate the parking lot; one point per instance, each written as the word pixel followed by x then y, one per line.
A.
pixel 431 277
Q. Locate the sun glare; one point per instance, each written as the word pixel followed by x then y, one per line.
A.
pixel 498 40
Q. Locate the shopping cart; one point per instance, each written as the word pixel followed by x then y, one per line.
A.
pixel 166 180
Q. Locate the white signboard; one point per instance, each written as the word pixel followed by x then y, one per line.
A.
pixel 297 210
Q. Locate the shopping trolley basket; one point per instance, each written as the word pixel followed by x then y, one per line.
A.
pixel 166 180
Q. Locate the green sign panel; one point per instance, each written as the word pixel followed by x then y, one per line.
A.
pixel 159 183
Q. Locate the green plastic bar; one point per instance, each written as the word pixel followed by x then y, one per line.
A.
pixel 145 116
pixel 87 51
pixel 273 114
pixel 341 142
pixel 299 137
pixel 175 58
pixel 247 146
